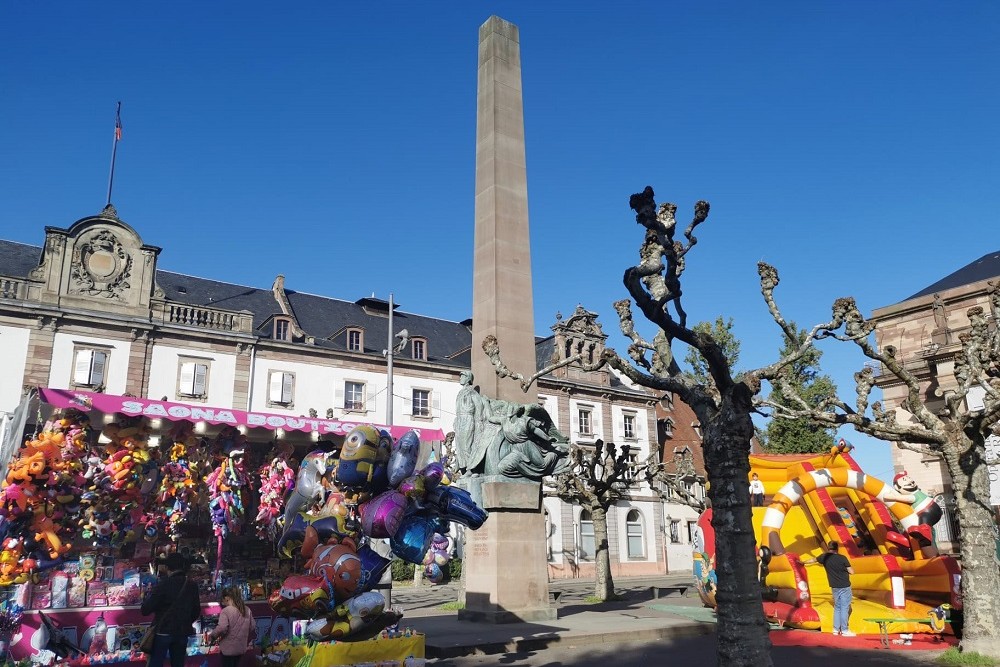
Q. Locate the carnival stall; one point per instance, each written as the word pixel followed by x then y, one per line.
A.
pixel 289 509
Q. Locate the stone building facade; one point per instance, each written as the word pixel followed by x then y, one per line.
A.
pixel 91 310
pixel 925 330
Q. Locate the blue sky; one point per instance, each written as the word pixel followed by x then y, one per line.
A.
pixel 852 145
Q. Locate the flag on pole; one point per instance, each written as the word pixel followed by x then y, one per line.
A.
pixel 118 123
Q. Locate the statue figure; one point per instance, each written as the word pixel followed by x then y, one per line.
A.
pixel 497 437
pixel 527 444
pixel 469 407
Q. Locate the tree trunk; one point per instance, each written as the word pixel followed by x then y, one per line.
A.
pixel 977 541
pixel 743 631
pixel 604 585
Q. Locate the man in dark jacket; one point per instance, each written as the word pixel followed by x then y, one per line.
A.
pixel 176 605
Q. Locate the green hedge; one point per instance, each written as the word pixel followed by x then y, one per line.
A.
pixel 401 570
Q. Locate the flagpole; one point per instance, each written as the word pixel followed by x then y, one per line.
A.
pixel 114 148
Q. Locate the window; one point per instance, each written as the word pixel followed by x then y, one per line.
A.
pixel 354 396
pixel 192 379
pixel 90 367
pixel 586 421
pixel 421 403
pixel 587 545
pixel 282 329
pixel 633 534
pixel 692 532
pixel 628 426
pixel 281 388
pixel 675 532
pixel 354 340
pixel 633 465
pixel 419 348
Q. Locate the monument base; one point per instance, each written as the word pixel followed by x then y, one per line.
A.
pixel 506 561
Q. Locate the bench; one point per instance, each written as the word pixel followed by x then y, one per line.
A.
pixel 883 626
pixel 668 590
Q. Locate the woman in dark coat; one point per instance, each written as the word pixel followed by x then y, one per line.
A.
pixel 176 606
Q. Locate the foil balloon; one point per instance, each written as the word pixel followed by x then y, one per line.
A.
pixel 434 573
pixel 381 515
pixel 338 565
pixel 348 618
pixel 403 460
pixel 455 504
pixel 373 566
pixel 414 487
pixel 308 485
pixel 300 596
pixel 413 538
pixel 358 458
pixel 432 474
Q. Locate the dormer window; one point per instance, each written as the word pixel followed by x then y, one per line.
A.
pixel 355 340
pixel 282 328
pixel 419 348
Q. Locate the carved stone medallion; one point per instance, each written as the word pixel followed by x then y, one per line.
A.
pixel 101 266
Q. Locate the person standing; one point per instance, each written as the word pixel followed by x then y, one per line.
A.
pixel 235 624
pixel 838 572
pixel 175 604
pixel 756 491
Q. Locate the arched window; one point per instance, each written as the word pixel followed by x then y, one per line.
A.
pixel 633 533
pixel 587 545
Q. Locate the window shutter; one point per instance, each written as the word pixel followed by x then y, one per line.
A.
pixel 200 376
pixel 370 398
pixel 81 373
pixel 408 403
pixel 338 398
pixel 435 404
pixel 621 427
pixel 276 387
pixel 98 370
pixel 576 421
pixel 187 378
pixel 286 388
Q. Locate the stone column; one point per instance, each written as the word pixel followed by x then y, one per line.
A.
pixel 38 364
pixel 505 565
pixel 502 302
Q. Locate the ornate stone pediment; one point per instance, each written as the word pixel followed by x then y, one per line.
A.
pixel 101 266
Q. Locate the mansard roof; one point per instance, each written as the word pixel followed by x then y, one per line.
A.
pixel 987 266
pixel 319 316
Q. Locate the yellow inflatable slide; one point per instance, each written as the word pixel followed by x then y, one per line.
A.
pixel 813 499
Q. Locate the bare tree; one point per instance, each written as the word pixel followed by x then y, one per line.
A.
pixel 597 478
pixel 723 405
pixel 951 431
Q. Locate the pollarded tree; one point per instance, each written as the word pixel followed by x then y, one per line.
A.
pixel 723 404
pixel 800 436
pixel 945 428
pixel 722 331
pixel 597 478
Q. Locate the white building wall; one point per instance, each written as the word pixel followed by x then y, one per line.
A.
pixel 679 555
pixel 61 370
pixel 551 404
pixel 14 343
pixel 322 387
pixel 164 366
pixel 649 528
pixel 555 541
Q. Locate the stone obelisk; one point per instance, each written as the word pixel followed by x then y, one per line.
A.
pixel 505 564
pixel 501 288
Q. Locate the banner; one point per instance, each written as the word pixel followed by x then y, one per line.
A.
pixel 109 404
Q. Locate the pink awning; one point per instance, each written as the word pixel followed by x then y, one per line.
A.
pixel 108 404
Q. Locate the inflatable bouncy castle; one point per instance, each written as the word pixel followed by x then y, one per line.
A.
pixel 885 530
